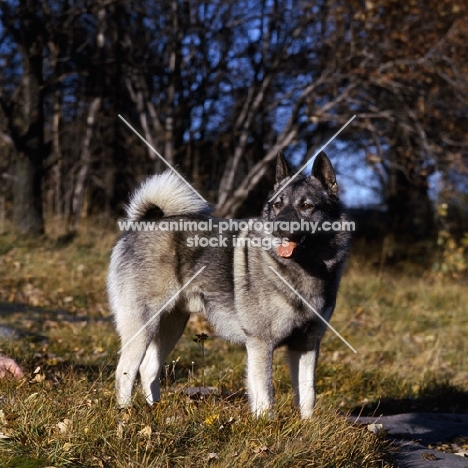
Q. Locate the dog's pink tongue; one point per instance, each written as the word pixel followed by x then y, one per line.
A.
pixel 286 249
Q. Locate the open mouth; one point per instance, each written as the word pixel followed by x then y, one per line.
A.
pixel 287 248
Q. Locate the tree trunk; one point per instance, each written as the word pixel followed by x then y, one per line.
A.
pixel 410 209
pixel 78 195
pixel 31 151
pixel 27 195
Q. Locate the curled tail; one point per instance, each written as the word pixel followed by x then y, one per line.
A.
pixel 164 195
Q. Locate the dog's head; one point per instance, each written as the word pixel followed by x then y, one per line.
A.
pixel 301 201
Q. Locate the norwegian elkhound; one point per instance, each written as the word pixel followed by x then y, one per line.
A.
pixel 262 287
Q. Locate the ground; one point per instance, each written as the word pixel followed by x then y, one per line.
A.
pixel 408 326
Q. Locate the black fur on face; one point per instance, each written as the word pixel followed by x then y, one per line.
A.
pixel 312 199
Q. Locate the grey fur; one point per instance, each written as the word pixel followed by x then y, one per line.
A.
pixel 239 294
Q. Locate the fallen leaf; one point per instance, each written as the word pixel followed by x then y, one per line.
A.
pixel 145 432
pixel 30 397
pixel 120 428
pixel 64 426
pixel 67 447
pixel 211 419
pixel 54 361
pixel 262 449
pixel 38 378
pixel 226 424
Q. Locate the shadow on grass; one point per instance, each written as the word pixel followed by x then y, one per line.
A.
pixel 12 308
pixel 21 320
pixel 433 397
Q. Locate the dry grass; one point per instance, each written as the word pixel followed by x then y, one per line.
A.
pixel 409 331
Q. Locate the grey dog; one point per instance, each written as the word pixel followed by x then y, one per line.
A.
pixel 258 296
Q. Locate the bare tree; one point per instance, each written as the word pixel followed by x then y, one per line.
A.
pixel 404 68
pixel 219 87
pixel 25 114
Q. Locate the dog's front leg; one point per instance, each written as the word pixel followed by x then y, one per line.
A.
pixel 302 365
pixel 259 376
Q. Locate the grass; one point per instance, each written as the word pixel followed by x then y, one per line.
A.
pixel 409 330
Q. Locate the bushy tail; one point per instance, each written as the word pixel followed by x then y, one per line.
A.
pixel 164 195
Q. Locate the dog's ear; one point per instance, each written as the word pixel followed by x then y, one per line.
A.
pixel 324 172
pixel 282 167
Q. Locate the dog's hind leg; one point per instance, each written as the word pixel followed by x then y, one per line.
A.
pixel 171 326
pixel 259 376
pixel 134 344
pixel 302 365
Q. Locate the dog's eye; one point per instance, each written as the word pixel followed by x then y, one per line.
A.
pixel 306 206
pixel 278 204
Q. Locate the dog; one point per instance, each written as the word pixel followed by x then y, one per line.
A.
pixel 262 288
